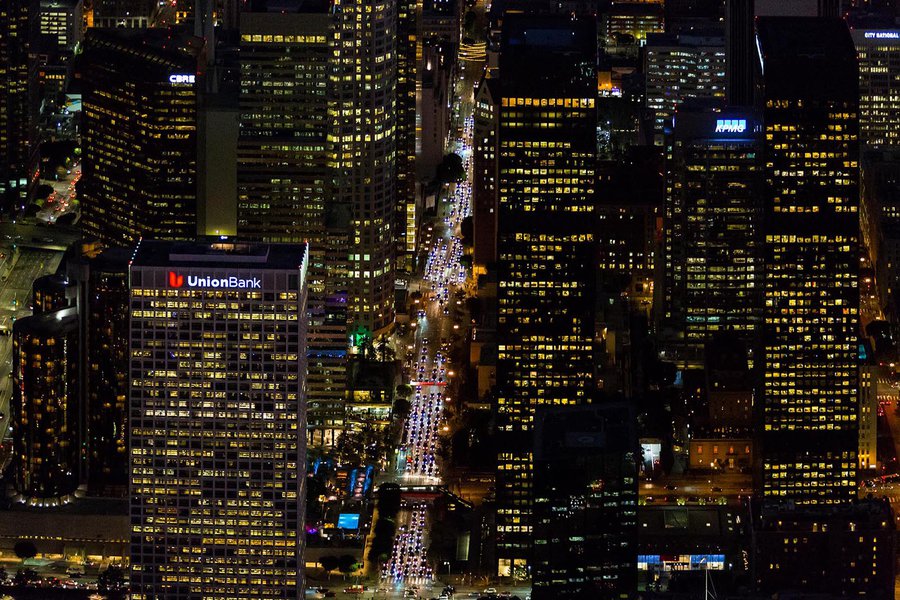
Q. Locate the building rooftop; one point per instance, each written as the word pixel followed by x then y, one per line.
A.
pixel 808 57
pixel 219 253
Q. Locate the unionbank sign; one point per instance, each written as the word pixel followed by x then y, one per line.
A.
pixel 231 282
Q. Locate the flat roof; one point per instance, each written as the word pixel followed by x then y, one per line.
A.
pixel 220 252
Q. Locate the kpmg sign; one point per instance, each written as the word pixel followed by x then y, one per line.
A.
pixel 177 281
pixel 731 125
pixel 882 35
pixel 182 78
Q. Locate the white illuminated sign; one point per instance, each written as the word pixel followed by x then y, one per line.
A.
pixel 182 78
pixel 731 125
pixel 177 281
pixel 882 35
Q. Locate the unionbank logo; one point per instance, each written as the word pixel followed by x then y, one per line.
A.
pixel 195 281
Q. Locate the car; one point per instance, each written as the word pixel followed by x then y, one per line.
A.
pixel 490 590
pixel 717 489
pixel 354 589
pixel 671 487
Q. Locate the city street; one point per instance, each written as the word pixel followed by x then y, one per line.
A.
pixel 429 371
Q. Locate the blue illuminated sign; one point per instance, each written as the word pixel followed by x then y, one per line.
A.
pixel 348 521
pixel 882 35
pixel 731 125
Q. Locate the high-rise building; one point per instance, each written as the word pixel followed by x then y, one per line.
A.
pixel 547 155
pixel 284 183
pixel 15 143
pixel 585 503
pixel 218 419
pixel 45 406
pixel 680 67
pixel 104 304
pixel 363 152
pixel 809 99
pixel 740 53
pixel 408 24
pixel 712 245
pixel 127 14
pixel 484 175
pixel 62 20
pixel 139 174
pixel 879 86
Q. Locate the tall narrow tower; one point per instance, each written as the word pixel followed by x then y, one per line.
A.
pixel 363 151
pixel 809 98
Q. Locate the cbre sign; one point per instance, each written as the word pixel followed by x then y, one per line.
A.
pixel 731 125
pixel 182 78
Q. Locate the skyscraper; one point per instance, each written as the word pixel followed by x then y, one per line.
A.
pixel 546 177
pixel 680 67
pixel 218 450
pixel 45 406
pixel 363 151
pixel 408 14
pixel 104 305
pixel 129 14
pixel 15 25
pixel 879 92
pixel 585 507
pixel 139 174
pixel 809 100
pixel 284 182
pixel 739 52
pixel 712 258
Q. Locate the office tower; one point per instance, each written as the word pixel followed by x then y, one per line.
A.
pixel 739 52
pixel 546 176
pixel 218 416
pixel 809 100
pixel 585 503
pixel 712 245
pixel 139 172
pixel 363 152
pixel 15 26
pixel 879 93
pixel 45 409
pixel 127 14
pixel 407 77
pixel 679 68
pixel 62 20
pixel 484 174
pixel 868 410
pixel 637 19
pixel 284 183
pixel 826 551
pixel 104 302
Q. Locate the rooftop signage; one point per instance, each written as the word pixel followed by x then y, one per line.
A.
pixel 231 282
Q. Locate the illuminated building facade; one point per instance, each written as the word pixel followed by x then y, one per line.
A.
pixel 62 20
pixel 363 151
pixel 44 409
pixel 284 183
pixel 139 175
pixel 484 176
pixel 585 503
pixel 879 86
pixel 635 18
pixel 546 176
pixel 809 101
pixel 218 451
pixel 680 67
pixel 713 262
pixel 15 23
pixel 408 19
